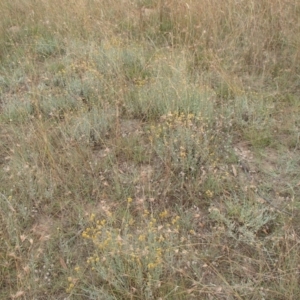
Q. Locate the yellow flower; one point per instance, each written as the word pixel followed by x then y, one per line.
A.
pixel 182 152
pixel 146 213
pixel 175 220
pixel 77 269
pixel 163 214
pixel 152 222
pixel 86 234
pixel 142 237
pixel 151 266
pixel 69 289
pixel 209 194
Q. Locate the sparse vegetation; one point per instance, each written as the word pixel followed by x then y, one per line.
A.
pixel 149 149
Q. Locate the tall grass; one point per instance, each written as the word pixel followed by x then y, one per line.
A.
pixel 149 149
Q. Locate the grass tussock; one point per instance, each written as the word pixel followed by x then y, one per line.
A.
pixel 149 149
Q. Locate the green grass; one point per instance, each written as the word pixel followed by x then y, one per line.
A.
pixel 149 150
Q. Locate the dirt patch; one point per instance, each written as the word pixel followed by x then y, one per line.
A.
pixel 269 163
pixel 242 150
pixel 130 127
pixel 42 229
pixel 146 173
pixel 264 175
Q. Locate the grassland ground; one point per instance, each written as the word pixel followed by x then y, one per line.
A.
pixel 149 149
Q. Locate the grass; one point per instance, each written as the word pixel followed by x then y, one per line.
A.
pixel 149 149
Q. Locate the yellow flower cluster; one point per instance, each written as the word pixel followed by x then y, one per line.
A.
pixel 93 232
pixel 140 81
pixel 175 220
pixel 72 281
pixel 164 214
pixel 144 245
pixel 181 137
pixel 209 193
pixel 139 243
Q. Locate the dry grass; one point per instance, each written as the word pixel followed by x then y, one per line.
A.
pixel 149 149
